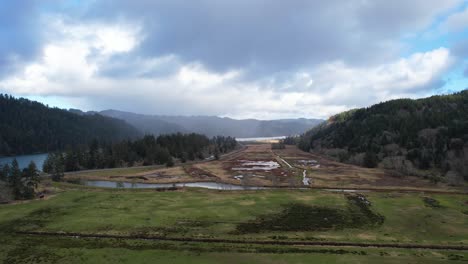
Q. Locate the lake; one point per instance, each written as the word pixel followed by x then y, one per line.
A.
pixel 259 138
pixel 24 160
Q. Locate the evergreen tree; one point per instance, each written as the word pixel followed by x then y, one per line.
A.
pixel 33 174
pixel 55 166
pixel 58 167
pixel 216 154
pixel 15 179
pixel 5 173
pixel 370 159
pixel 170 162
pixel 48 164
pixel 71 160
pixel 30 181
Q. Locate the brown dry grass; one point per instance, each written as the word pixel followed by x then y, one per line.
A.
pixel 163 175
pixel 330 173
pixel 335 174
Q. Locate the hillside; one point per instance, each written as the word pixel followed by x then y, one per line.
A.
pixel 213 126
pixel 426 137
pixel 31 127
pixel 145 123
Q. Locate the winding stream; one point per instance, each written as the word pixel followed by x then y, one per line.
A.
pixel 206 185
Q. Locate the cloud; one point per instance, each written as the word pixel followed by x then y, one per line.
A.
pixel 75 54
pixel 71 65
pixel 457 21
pixel 266 36
pixel 390 18
pixel 244 59
pixel 20 38
pixel 407 77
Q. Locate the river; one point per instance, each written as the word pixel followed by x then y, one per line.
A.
pixel 205 185
pixel 136 185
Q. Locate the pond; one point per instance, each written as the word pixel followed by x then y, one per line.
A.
pixel 137 185
pixel 24 160
pixel 248 165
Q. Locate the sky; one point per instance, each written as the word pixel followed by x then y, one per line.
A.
pixel 264 59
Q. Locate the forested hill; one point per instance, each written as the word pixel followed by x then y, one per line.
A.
pixel 405 135
pixel 30 127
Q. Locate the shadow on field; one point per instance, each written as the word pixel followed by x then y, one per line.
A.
pixel 301 217
pixel 37 219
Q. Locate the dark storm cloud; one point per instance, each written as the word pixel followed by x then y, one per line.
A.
pixel 271 35
pixel 19 34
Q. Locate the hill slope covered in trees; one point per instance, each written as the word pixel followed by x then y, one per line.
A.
pixel 30 127
pixel 427 137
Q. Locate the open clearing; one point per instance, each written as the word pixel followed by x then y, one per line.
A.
pixel 196 215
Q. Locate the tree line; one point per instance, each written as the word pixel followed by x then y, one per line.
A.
pixel 149 150
pixel 22 183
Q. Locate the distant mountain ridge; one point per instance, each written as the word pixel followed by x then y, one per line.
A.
pixel 213 125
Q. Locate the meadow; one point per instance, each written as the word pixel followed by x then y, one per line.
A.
pixel 199 225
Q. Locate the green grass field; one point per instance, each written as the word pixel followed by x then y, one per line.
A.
pixel 69 250
pixel 217 214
